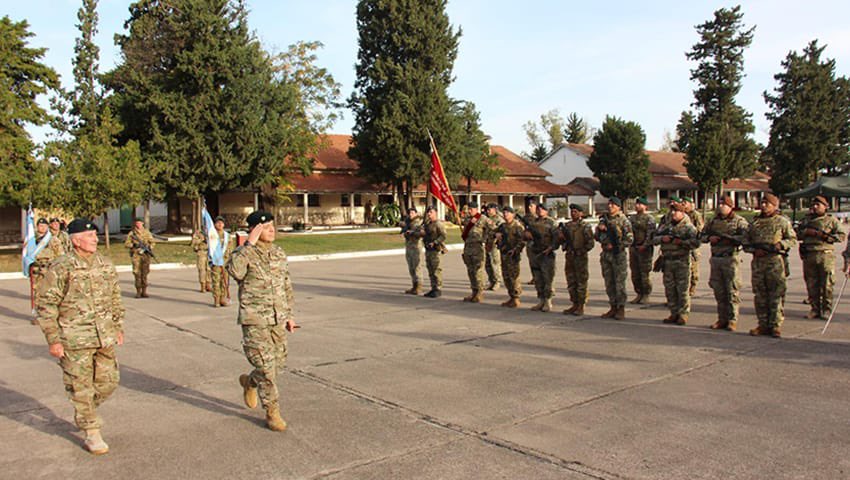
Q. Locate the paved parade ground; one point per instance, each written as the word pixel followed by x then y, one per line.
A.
pixel 385 385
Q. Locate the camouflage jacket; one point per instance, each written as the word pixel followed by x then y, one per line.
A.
pixel 79 303
pixel 577 237
pixel 618 232
pixel 412 232
pixel 643 228
pixel 684 231
pixel 64 240
pixel 697 220
pixel 544 234
pixel 435 235
pixel 732 231
pixel 770 231
pixel 265 289
pixel 509 239
pixel 50 252
pixel 134 238
pixel 498 221
pixel 825 224
pixel 476 231
pixel 199 244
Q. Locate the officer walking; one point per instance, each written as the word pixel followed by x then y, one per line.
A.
pixel 641 251
pixel 614 234
pixel 141 245
pixel 509 244
pixel 435 247
pixel 576 238
pixel 818 232
pixel 726 233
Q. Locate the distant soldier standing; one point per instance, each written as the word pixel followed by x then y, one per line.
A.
pixel 769 238
pixel 141 244
pixel 411 230
pixel 528 219
pixel 614 234
pixel 435 240
pixel 818 232
pixel 202 254
pixel 61 235
pixel 48 248
pixel 726 232
pixel 81 315
pixel 476 227
pixel 223 245
pixel 577 241
pixel 641 251
pixel 677 239
pixel 543 234
pixel 493 260
pixel 699 224
pixel 509 244
pixel 265 313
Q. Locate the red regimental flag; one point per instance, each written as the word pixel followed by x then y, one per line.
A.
pixel 439 186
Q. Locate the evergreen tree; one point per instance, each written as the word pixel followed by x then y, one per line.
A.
pixel 810 115
pixel 404 68
pixel 22 79
pixel 619 159
pixel 576 129
pixel 472 161
pixel 718 138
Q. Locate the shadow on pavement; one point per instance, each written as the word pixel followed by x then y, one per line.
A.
pixel 36 415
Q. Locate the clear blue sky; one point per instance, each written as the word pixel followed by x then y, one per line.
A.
pixel 519 59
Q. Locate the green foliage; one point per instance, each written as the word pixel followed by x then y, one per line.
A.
pixel 619 160
pixel 810 115
pixel 576 129
pixel 717 140
pixel 22 79
pixel 471 160
pixel 547 135
pixel 387 214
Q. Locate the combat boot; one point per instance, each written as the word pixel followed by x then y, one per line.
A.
pixel 547 305
pixel 434 293
pixel 610 313
pixel 636 299
pixel 579 311
pixel 94 442
pixel 643 300
pixel 273 420
pixel 620 313
pixel 813 314
pixel 670 319
pixel 224 302
pixel 144 292
pixel 430 294
pixel 776 333
pixel 216 302
pixel 760 330
pixel 249 392
pixel 208 287
pixel 468 298
pixel 732 326
pixel 513 302
pixel 539 305
pixel 477 296
pixel 719 325
pixel 203 289
pixel 414 290
pixel 571 309
pixel 682 319
pixel 138 293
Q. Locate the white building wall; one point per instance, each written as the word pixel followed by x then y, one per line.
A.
pixel 564 165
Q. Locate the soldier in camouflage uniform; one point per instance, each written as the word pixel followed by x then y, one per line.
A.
pixel 435 247
pixel 576 239
pixel 82 318
pixel 699 224
pixel 614 234
pixel 412 231
pixel 199 246
pixel 476 228
pixel 140 242
pixel 47 252
pixel 265 313
pixel 641 251
pixel 509 243
pixel 677 239
pixel 64 239
pixel 543 237
pixel 493 258
pixel 769 238
pixel 726 232
pixel 528 219
pixel 218 276
pixel 818 232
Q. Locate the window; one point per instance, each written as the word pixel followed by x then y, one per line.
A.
pixel 358 200
pixel 312 200
pixel 344 200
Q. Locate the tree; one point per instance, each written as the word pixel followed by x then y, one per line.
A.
pixel 404 67
pixel 23 78
pixel 619 160
pixel 473 160
pixel 551 128
pixel 810 117
pixel 670 142
pixel 717 139
pixel 576 129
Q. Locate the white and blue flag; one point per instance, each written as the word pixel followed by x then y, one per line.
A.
pixel 215 243
pixel 31 249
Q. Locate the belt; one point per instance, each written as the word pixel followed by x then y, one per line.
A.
pixel 724 254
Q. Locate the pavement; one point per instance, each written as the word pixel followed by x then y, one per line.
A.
pixel 385 385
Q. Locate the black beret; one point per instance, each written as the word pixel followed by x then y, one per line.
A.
pixel 429 208
pixel 54 219
pixel 575 206
pixel 219 219
pixel 507 208
pixel 472 205
pixel 543 206
pixel 41 221
pixel 79 225
pixel 412 209
pixel 258 217
pixel 616 201
pixel 493 205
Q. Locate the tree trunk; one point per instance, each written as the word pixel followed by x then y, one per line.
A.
pixel 147 214
pixel 106 228
pixel 173 219
pixel 469 190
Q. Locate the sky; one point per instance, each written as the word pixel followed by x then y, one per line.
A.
pixel 519 59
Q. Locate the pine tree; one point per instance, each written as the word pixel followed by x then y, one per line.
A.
pixel 718 143
pixel 619 159
pixel 810 116
pixel 576 129
pixel 472 161
pixel 23 78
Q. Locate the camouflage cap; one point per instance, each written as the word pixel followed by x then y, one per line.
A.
pixel 79 225
pixel 258 217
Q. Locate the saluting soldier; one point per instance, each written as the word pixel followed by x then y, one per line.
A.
pixel 818 232
pixel 476 227
pixel 435 247
pixel 614 234
pixel 57 232
pixel 576 238
pixel 223 245
pixel 411 230
pixel 677 239
pixel 641 251
pixel 726 233
pixel 509 244
pixel 140 242
pixel 82 318
pixel 699 224
pixel 265 313
pixel 769 238
pixel 493 258
pixel 202 254
pixel 543 237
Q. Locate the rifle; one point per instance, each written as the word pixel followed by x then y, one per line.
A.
pixel 143 247
pixel 612 233
pixel 832 237
pixel 538 240
pixel 770 249
pixel 502 245
pixel 568 239
pixel 724 236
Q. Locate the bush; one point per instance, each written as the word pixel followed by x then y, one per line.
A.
pixel 387 215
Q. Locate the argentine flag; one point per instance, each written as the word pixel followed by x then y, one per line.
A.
pixel 215 243
pixel 31 249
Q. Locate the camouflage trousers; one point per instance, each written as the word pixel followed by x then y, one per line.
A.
pixel 413 255
pixel 37 272
pixel 615 268
pixel 141 268
pixel 677 283
pixel 218 277
pixel 695 256
pixel 819 273
pixel 435 270
pixel 474 260
pixel 543 271
pixel 640 264
pixel 725 281
pixel 203 264
pixel 493 266
pixel 768 278
pixel 265 349
pixel 575 268
pixel 510 266
pixel 90 376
